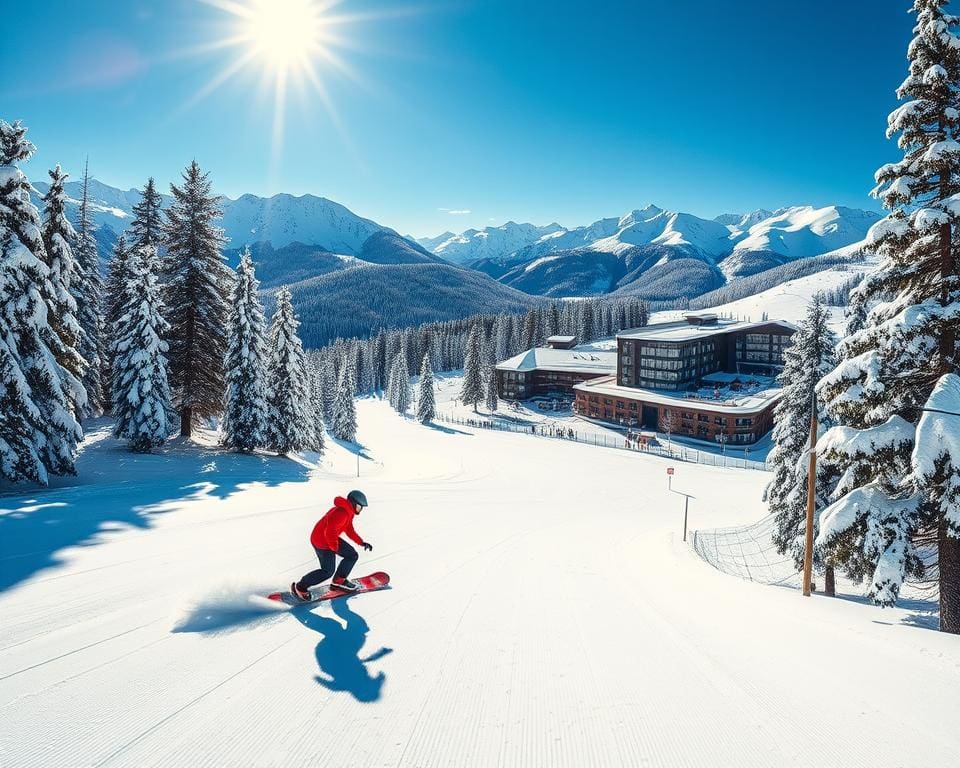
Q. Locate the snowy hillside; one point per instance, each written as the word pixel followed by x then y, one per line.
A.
pixel 518 630
pixel 789 300
pixel 358 298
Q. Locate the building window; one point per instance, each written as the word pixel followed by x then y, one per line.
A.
pixel 719 420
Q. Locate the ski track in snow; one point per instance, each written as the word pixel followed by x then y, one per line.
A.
pixel 542 611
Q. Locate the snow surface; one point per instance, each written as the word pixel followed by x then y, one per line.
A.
pixel 787 301
pixel 542 611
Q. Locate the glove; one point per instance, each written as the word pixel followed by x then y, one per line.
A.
pixel 367 546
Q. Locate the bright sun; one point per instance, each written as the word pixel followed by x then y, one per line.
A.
pixel 292 45
pixel 283 33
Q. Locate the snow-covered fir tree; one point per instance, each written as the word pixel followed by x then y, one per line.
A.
pixel 114 301
pixel 315 383
pixel 344 409
pixel 531 328
pixel 245 405
pixel 584 312
pixel 196 297
pixel 809 357
pixel 501 335
pixel 39 398
pixel 58 234
pixel 426 397
pixel 471 391
pixel 147 225
pixel 492 400
pixel 400 385
pixel 328 374
pixel 288 418
pixel 87 289
pixel 141 393
pixel 896 391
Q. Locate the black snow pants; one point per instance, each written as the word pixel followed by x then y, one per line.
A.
pixel 328 559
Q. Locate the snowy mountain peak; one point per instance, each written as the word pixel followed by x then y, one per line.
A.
pixel 638 215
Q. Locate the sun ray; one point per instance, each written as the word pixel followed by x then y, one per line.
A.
pixel 216 81
pixel 295 45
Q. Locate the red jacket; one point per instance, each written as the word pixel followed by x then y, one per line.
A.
pixel 326 533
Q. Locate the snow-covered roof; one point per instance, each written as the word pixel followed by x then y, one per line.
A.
pixel 575 360
pixel 561 339
pixel 684 331
pixel 734 405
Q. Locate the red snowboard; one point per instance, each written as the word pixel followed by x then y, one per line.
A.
pixel 374 581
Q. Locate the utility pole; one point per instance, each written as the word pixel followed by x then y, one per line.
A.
pixel 811 499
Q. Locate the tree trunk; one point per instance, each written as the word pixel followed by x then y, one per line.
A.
pixel 949 562
pixel 829 582
pixel 186 421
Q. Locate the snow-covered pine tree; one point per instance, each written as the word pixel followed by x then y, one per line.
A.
pixel 400 385
pixel 585 326
pixel 245 405
pixel 196 297
pixel 426 398
pixel 896 391
pixel 491 386
pixel 141 394
pixel 344 412
pixel 501 328
pixel 551 320
pixel 328 375
pixel 471 392
pixel 516 335
pixel 288 418
pixel 315 382
pixel 809 357
pixel 39 431
pixel 380 370
pixel 489 351
pixel 87 289
pixel 147 225
pixel 531 328
pixel 114 301
pixel 58 234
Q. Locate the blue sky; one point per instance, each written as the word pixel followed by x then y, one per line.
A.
pixel 532 111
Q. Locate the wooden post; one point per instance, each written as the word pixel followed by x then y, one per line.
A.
pixel 811 499
pixel 686 507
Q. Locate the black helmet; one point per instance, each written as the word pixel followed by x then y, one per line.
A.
pixel 357 499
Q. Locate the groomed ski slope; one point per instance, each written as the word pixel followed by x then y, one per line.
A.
pixel 544 612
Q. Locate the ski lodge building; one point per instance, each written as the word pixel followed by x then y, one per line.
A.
pixel 703 377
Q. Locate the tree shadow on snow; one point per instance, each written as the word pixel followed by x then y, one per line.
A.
pixel 116 489
pixel 924 614
pixel 338 652
pixel 447 430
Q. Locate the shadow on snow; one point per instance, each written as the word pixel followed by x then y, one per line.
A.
pixel 115 488
pixel 338 651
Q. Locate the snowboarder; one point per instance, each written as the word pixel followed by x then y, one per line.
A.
pixel 328 544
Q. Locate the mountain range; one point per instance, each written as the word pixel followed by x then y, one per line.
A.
pixel 637 251
pixel 318 246
pixel 349 275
